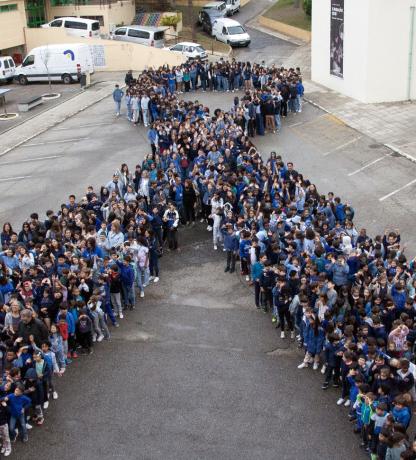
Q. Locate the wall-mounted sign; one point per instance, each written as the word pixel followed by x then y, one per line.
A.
pixel 336 60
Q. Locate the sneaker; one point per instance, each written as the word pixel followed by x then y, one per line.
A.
pixel 323 370
pixel 209 228
pixel 303 365
pixel 347 403
pixel 335 385
pixel 62 370
pixel 292 335
pixel 215 247
pixel 232 270
pixel 55 395
pixel 282 335
pixel 116 325
pixel 94 338
pixel 100 338
pixel 325 386
pixel 74 355
pixel 156 280
pixel 274 319
pixel 226 269
pixel 340 401
pixel 3 450
pixel 7 452
pixel 141 293
pixel 46 404
pixel 29 426
pixel 315 366
pixel 40 421
pixel 247 278
pixel 151 278
pixel 68 355
pixel 121 316
pixel 202 221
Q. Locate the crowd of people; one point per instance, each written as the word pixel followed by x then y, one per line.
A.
pixel 345 297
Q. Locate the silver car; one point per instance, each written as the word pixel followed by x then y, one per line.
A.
pixel 143 35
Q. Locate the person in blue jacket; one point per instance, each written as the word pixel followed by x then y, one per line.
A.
pixel 17 403
pixel 231 246
pixel 313 340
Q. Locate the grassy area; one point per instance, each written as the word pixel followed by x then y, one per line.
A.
pixel 284 11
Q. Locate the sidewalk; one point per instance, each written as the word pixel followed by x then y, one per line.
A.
pixel 390 124
pixel 57 114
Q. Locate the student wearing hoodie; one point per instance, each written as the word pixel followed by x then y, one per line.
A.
pixel 17 402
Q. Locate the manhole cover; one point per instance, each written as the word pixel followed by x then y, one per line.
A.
pixel 375 146
pixel 8 116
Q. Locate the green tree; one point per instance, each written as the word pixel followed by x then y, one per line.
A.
pixel 307 6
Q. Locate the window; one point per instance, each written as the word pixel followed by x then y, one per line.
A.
pixel 11 62
pixel 177 48
pixel 95 26
pixel 7 8
pixel 6 64
pixel 120 32
pixel 138 33
pixel 57 23
pixel 235 30
pixel 75 25
pixel 159 35
pixel 30 60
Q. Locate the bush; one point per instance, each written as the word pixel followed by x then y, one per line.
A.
pixel 307 6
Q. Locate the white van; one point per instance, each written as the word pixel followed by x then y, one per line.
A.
pixel 143 35
pixel 232 6
pixel 79 27
pixel 62 63
pixel 7 68
pixel 230 32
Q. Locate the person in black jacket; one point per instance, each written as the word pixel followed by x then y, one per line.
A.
pixel 32 326
pixel 189 200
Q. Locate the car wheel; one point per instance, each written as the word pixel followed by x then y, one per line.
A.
pixel 66 79
pixel 23 79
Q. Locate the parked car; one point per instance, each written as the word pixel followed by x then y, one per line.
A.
pixel 220 6
pixel 208 17
pixel 232 6
pixel 143 35
pixel 79 27
pixel 7 68
pixel 231 32
pixel 61 62
pixel 192 51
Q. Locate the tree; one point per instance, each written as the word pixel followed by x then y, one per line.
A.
pixel 296 3
pixel 192 19
pixel 45 55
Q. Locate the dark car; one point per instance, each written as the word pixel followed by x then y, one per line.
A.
pixel 208 17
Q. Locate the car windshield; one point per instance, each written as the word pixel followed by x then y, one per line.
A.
pixel 200 49
pixel 236 30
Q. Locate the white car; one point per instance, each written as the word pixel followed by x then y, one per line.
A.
pixel 193 51
pixel 7 68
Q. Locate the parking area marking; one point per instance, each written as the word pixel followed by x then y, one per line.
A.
pixel 87 125
pixel 56 142
pixel 7 163
pixel 346 144
pixel 368 165
pixel 8 179
pixel 397 190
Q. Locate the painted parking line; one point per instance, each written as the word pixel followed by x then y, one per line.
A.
pixel 87 125
pixel 56 142
pixel 346 144
pixel 8 179
pixel 30 159
pixel 368 165
pixel 397 190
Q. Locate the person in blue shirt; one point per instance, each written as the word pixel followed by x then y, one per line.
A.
pixel 117 97
pixel 17 403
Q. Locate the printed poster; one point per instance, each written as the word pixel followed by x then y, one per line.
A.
pixel 337 38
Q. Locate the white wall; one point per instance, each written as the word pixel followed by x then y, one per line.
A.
pixel 376 48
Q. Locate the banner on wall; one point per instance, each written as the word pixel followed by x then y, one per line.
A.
pixel 337 38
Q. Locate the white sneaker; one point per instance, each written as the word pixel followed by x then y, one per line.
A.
pixel 347 403
pixel 7 452
pixel 323 370
pixel 292 335
pixel 315 366
pixel 340 401
pixel 100 338
pixel 94 338
pixel 121 316
pixel 62 370
pixel 3 450
pixel 303 365
pixel 209 228
pixel 141 293
pixel 156 280
pixel 151 278
pixel 202 221
pixel 29 426
pixel 55 395
pixel 282 335
pixel 215 247
pixel 46 404
pixel 247 278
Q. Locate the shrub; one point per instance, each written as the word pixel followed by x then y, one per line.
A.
pixel 307 6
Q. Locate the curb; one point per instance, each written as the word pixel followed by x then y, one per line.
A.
pixel 53 124
pixel 254 24
pixel 389 146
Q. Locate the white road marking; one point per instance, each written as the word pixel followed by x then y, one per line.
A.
pixel 7 179
pixel 396 191
pixel 368 165
pixel 30 159
pixel 90 125
pixel 342 146
pixel 56 142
